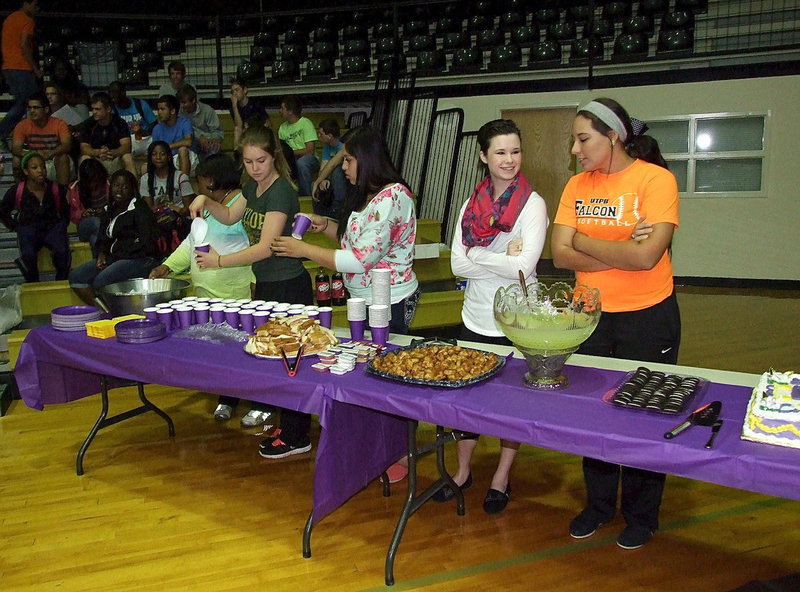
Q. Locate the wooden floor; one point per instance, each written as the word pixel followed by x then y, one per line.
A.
pixel 205 512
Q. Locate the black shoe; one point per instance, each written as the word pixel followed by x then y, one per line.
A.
pixel 445 494
pixel 496 501
pixel 583 525
pixel 633 537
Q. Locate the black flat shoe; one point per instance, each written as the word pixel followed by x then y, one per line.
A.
pixel 496 501
pixel 445 494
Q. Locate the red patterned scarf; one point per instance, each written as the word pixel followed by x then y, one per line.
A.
pixel 485 218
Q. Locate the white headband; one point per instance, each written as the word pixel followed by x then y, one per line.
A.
pixel 607 116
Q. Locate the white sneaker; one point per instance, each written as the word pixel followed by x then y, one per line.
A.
pixel 255 418
pixel 223 412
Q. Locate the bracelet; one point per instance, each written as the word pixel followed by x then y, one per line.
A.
pixel 219 260
pixel 327 220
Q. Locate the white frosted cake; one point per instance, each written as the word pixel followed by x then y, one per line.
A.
pixel 773 414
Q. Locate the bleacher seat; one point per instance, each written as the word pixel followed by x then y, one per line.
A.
pixel 266 39
pixel 250 71
pixel 469 59
pixel 325 50
pixel 150 61
pixel 319 68
pixel 356 47
pixel 293 52
pixel 284 70
pixel 420 43
pixel 562 32
pixel 653 7
pixel 270 24
pixel 505 57
pixel 578 12
pixel 416 27
pixel 262 54
pixel 448 24
pixel 545 54
pixel 489 38
pixel 455 40
pixel 630 47
pixel 386 46
pixel 430 62
pixel 511 20
pixel 525 36
pixel 355 66
pixel 383 30
pixel 640 23
pixel 582 50
pixel 295 37
pixel 546 16
pixel 134 77
pixel 677 20
pixel 675 43
pixel 173 45
pixel 479 22
pixel 325 34
pixel 617 11
pixel 599 27
pixel 354 33
pixel 144 45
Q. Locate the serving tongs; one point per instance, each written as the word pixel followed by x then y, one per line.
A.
pixel 705 416
pixel 291 367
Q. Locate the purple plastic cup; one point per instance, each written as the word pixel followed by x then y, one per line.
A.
pixel 247 320
pixel 185 317
pixel 325 316
pixel 259 318
pixel 205 247
pixel 380 335
pixel 302 222
pixel 232 317
pixel 165 316
pixel 151 313
pixel 357 330
pixel 217 315
pixel 201 315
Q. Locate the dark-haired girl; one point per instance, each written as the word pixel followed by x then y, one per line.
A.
pixel 163 185
pixel 376 231
pixel 596 234
pixel 88 198
pixel 127 245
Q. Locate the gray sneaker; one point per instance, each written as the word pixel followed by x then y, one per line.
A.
pixel 223 412
pixel 255 418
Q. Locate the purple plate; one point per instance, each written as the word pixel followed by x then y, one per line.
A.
pixel 123 339
pixel 137 325
pixel 77 309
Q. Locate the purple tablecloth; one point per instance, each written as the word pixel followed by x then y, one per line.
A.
pixel 56 367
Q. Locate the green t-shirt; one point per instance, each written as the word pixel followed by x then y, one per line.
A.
pixel 298 133
pixel 279 197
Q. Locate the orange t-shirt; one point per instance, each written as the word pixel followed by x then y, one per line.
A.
pixel 607 207
pixel 16 25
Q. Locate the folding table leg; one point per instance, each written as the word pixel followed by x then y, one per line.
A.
pixel 103 421
pixel 414 501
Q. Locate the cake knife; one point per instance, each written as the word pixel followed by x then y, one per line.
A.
pixel 714 431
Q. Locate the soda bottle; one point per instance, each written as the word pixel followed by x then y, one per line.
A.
pixel 322 288
pixel 337 290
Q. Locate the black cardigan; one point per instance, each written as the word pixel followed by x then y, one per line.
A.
pixel 135 233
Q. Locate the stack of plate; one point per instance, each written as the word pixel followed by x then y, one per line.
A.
pixel 140 331
pixel 73 318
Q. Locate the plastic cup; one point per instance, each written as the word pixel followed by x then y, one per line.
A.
pixel 379 335
pixel 232 317
pixel 185 316
pixel 205 247
pixel 278 315
pixel 325 316
pixel 302 222
pixel 379 315
pixel 151 312
pixel 165 316
pixel 259 318
pixel 357 330
pixel 246 319
pixel 201 315
pixel 356 309
pixel 217 315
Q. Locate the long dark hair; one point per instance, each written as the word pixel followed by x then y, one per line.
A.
pixel 374 171
pixel 91 173
pixel 151 170
pixel 222 171
pixel 642 147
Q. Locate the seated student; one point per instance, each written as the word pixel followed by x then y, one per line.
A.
pixel 46 135
pixel 137 113
pixel 106 137
pixel 88 198
pixel 218 179
pixel 206 127
pixel 66 77
pixel 177 79
pixel 74 118
pixel 162 185
pixel 38 211
pixel 301 136
pixel 127 246
pixel 176 131
pixel 330 187
pixel 243 108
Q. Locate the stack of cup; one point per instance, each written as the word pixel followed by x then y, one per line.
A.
pixel 381 286
pixel 379 323
pixel 357 317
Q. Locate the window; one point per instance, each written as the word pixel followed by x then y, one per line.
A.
pixel 715 155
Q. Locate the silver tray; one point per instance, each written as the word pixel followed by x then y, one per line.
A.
pixel 370 369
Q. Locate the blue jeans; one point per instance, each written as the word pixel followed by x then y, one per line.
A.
pixel 22 84
pixel 88 229
pixel 31 240
pixel 117 270
pixel 307 169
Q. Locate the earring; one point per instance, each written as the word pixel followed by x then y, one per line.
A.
pixel 613 142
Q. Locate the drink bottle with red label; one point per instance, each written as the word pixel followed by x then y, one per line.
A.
pixel 323 288
pixel 337 290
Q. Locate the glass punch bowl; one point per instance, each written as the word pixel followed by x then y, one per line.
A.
pixel 547 326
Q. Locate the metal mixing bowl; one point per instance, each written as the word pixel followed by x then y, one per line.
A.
pixel 133 296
